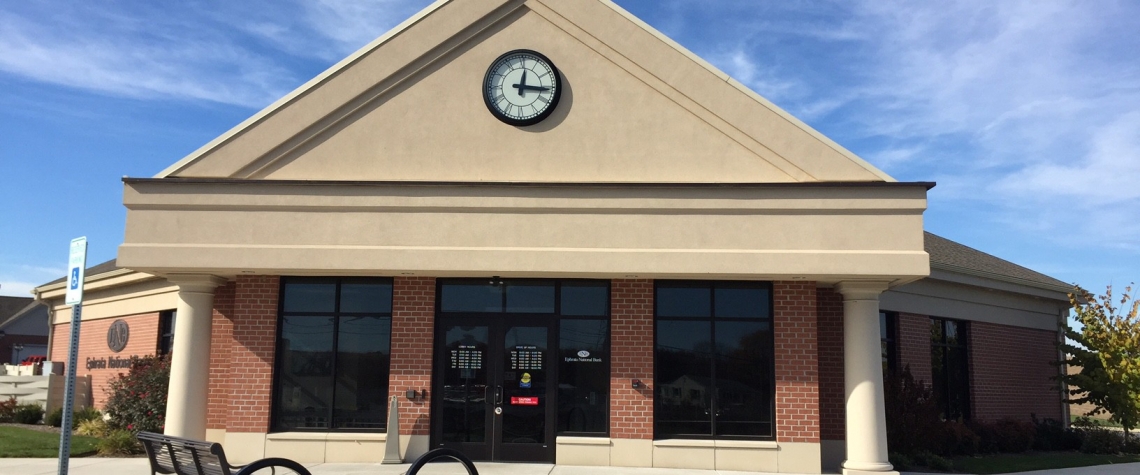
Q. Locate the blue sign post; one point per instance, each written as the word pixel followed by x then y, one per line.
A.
pixel 77 264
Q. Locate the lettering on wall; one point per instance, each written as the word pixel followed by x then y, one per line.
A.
pixel 114 362
pixel 118 335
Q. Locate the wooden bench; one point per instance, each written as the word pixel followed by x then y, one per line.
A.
pixel 175 455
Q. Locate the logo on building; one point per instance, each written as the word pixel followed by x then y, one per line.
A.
pixel 118 335
pixel 583 354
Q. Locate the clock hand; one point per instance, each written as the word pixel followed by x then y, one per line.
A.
pixel 534 88
pixel 521 86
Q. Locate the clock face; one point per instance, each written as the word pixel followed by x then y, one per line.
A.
pixel 522 88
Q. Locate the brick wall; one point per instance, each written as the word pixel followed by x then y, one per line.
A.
pixel 413 324
pixel 252 351
pixel 1010 371
pixel 797 362
pixel 913 345
pixel 142 341
pixel 631 347
pixel 832 396
pixel 221 346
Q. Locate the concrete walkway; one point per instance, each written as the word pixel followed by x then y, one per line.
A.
pixel 139 466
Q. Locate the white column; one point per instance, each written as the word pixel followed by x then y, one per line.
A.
pixel 863 379
pixel 190 364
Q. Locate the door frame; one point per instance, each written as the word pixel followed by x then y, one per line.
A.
pixel 497 325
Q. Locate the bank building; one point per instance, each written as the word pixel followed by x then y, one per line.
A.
pixel 556 236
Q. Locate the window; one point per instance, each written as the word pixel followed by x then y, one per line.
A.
pixel 714 360
pixel 949 364
pixel 887 340
pixel 166 322
pixel 333 353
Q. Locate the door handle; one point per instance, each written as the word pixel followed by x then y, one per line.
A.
pixel 499 394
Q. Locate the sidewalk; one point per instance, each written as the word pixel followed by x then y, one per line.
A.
pixel 139 466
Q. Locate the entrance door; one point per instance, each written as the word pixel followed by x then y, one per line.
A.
pixel 494 382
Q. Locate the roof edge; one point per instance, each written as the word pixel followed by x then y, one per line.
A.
pixel 300 91
pixel 86 279
pixel 746 90
pixel 1003 278
pixel 523 184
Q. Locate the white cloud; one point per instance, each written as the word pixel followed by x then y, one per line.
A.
pixel 11 288
pixel 187 52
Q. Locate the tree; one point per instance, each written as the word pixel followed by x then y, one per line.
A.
pixel 1107 349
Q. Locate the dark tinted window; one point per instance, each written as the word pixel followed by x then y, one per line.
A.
pixel 309 296
pixel 471 297
pixel 530 298
pixel 365 298
pixel 583 376
pixel 714 360
pixel 585 299
pixel 682 301
pixel 949 364
pixel 332 365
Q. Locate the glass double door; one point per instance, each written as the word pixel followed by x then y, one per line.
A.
pixel 495 388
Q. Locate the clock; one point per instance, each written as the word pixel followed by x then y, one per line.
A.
pixel 522 87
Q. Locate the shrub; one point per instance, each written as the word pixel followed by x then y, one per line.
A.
pixel 900 461
pixel 29 414
pixel 55 418
pixel 987 437
pixel 955 438
pixel 92 428
pixel 137 399
pixel 8 409
pixel 1102 441
pixel 914 421
pixel 926 458
pixel 1052 435
pixel 1131 446
pixel 1015 436
pixel 118 442
pixel 87 414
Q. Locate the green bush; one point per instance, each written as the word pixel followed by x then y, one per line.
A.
pixel 926 458
pixel 914 422
pixel 1131 446
pixel 8 409
pixel 87 414
pixel 900 461
pixel 1052 435
pixel 1015 436
pixel 28 414
pixel 987 437
pixel 55 418
pixel 137 399
pixel 955 438
pixel 118 442
pixel 1099 440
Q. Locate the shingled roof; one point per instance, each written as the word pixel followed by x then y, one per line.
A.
pixel 949 255
pixel 90 271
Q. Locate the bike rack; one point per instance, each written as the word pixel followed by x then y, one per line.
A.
pixel 433 455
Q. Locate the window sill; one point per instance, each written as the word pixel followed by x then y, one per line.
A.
pixel 566 440
pixel 328 436
pixel 719 444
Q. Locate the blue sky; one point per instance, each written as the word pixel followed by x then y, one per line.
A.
pixel 1026 113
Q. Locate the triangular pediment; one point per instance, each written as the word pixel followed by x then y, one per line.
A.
pixel 636 108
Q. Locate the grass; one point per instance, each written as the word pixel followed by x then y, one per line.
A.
pixel 1099 422
pixel 17 442
pixel 1006 463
